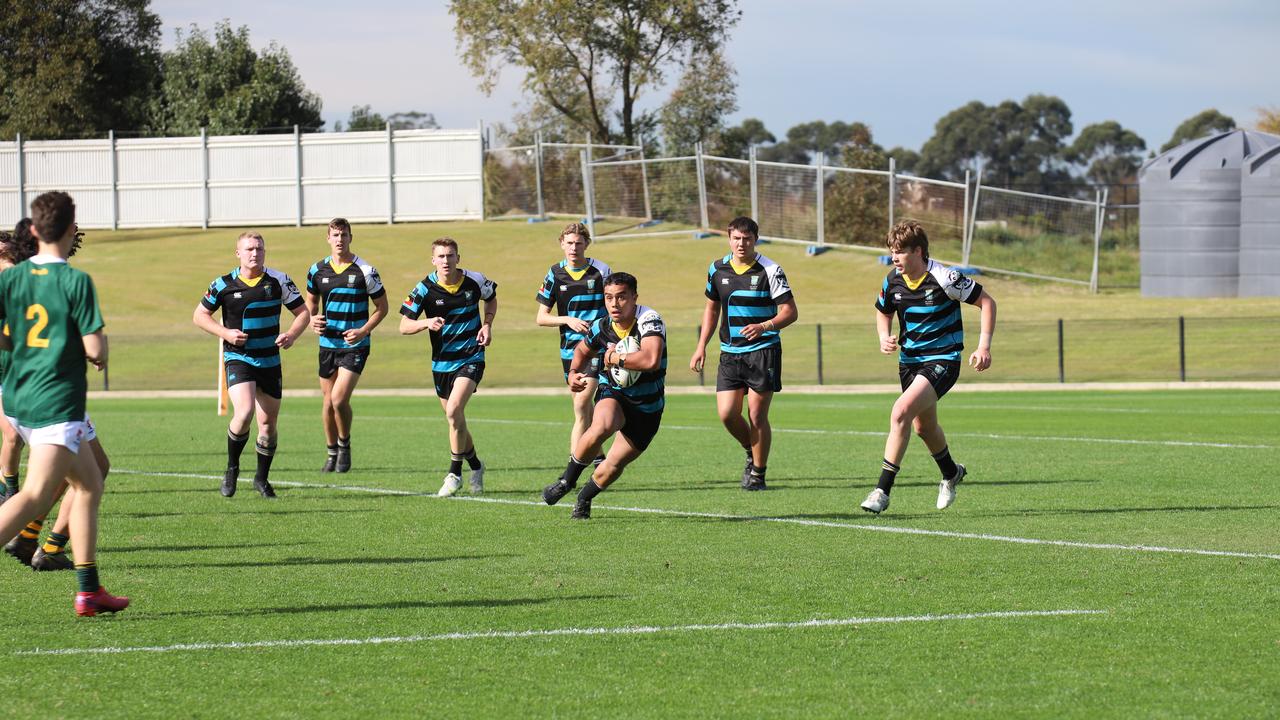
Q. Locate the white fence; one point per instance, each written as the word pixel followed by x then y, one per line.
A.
pixel 203 181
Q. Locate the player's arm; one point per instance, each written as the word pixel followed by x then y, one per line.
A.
pixel 786 315
pixel 380 310
pixel 95 349
pixel 546 319
pixel 318 320
pixel 301 317
pixel 648 357
pixel 582 355
pixel 204 320
pixel 981 358
pixel 485 336
pixel 710 314
pixel 884 326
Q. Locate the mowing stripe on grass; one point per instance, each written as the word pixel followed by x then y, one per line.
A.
pixel 561 632
pixel 757 518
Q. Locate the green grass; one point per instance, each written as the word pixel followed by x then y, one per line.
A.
pixel 150 280
pixel 1181 634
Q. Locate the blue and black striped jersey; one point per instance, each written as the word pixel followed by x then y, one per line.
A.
pixel 745 298
pixel 648 393
pixel 578 293
pixel 344 299
pixel 928 312
pixel 455 344
pixel 253 307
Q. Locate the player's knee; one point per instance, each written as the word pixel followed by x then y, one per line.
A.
pixel 901 416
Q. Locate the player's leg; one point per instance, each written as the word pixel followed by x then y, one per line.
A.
pixel 584 404
pixel 637 431
pixel 242 405
pixel 918 397
pixel 328 420
pixel 729 408
pixel 268 412
pixel 53 555
pixel 607 419
pixel 930 431
pixel 86 477
pixel 10 459
pixel 461 445
pixel 344 385
pixel 761 438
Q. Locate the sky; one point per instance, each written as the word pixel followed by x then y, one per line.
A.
pixel 897 65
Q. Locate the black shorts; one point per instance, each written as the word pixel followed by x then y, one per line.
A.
pixel 268 379
pixel 638 426
pixel 592 371
pixel 353 360
pixel 445 381
pixel 941 374
pixel 760 370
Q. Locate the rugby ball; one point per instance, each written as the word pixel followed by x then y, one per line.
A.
pixel 625 377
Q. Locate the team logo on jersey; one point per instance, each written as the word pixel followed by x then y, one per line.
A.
pixel 928 296
pixel 351 280
pixel 324 281
pixel 237 295
pixel 724 281
pixel 468 294
pixel 897 296
pixel 591 284
pixel 440 302
pixel 755 280
pixel 564 288
pixel 266 290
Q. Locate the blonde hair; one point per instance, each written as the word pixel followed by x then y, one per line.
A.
pixel 577 228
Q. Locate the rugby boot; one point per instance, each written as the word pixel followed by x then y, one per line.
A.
pixel 264 488
pixel 229 479
pixel 581 510
pixel 100 601
pixel 477 480
pixel 343 463
pixel 552 493
pixel 43 561
pixel 450 486
pixel 947 488
pixel 877 502
pixel 330 464
pixel 22 549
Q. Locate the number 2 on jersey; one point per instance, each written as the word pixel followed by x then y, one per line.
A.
pixel 41 316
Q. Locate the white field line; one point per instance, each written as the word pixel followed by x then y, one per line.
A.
pixel 562 632
pixel 759 518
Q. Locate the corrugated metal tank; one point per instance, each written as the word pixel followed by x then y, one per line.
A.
pixel 1260 224
pixel 1189 215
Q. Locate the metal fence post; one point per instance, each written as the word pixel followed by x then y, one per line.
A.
pixel 22 179
pixel 1182 348
pixel 1062 368
pixel 973 218
pixel 644 182
pixel 115 200
pixel 819 353
pixel 893 189
pixel 964 222
pixel 588 192
pixel 702 185
pixel 537 172
pixel 755 188
pixel 204 178
pixel 1099 218
pixel 701 378
pixel 821 211
pixel 297 168
pixel 482 142
pixel 391 175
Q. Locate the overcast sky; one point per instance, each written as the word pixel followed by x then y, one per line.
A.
pixel 897 65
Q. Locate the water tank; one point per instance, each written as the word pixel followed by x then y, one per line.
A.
pixel 1189 215
pixel 1260 224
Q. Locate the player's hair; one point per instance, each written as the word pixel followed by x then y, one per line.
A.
pixel 445 242
pixel 622 278
pixel 341 224
pixel 53 213
pixel 744 224
pixel 253 235
pixel 577 228
pixel 22 244
pixel 906 235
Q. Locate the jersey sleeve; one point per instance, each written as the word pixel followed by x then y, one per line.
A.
pixel 546 294
pixel 712 293
pixel 84 305
pixel 779 287
pixel 595 340
pixel 651 323
pixel 885 303
pixel 311 279
pixel 605 270
pixel 413 302
pixel 488 288
pixel 212 299
pixel 289 294
pixel 960 287
pixel 373 282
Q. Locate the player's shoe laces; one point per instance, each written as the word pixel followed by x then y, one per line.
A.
pixel 581 510
pixel 90 604
pixel 947 488
pixel 477 480
pixel 22 548
pixel 451 484
pixel 229 479
pixel 877 502
pixel 552 493
pixel 344 459
pixel 264 488
pixel 330 463
pixel 43 561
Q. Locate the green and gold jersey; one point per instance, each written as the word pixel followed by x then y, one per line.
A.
pixel 48 307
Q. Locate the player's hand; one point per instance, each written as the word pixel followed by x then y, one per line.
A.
pixel 99 364
pixel 485 336
pixel 284 341
pixel 980 359
pixel 577 382
pixel 698 359
pixel 889 344
pixel 434 324
pixel 752 331
pixel 235 337
pixel 318 323
pixel 353 337
pixel 577 325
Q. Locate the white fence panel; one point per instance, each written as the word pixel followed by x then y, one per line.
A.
pixel 438 175
pixel 253 180
pixel 160 182
pixel 345 175
pixel 80 167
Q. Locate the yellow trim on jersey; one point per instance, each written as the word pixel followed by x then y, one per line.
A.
pixel 339 268
pixel 741 269
pixel 451 289
pixel 913 284
pixel 622 334
pixel 254 282
pixel 577 274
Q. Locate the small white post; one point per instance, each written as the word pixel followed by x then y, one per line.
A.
pixel 481 143
pixel 702 186
pixel 537 173
pixel 755 188
pixel 893 189
pixel 204 178
pixel 820 189
pixel 1100 218
pixel 644 181
pixel 115 184
pixel 297 170
pixel 588 194
pixel 964 220
pixel 973 217
pixel 391 176
pixel 22 179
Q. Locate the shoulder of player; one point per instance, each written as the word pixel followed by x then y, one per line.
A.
pixel 277 275
pixel 771 268
pixel 365 267
pixel 944 275
pixel 646 314
pixel 720 263
pixel 476 277
pixel 317 266
pixel 601 267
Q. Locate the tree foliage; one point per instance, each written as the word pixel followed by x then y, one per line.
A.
pixel 74 68
pixel 1017 143
pixel 1206 122
pixel 1269 120
pixel 223 84
pixel 696 110
pixel 1111 153
pixel 590 60
pixel 735 142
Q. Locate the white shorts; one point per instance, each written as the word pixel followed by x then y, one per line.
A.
pixel 67 434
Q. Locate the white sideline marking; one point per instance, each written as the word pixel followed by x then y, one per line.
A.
pixel 758 518
pixel 560 632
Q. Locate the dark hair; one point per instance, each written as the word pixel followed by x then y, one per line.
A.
pixel 444 242
pixel 576 228
pixel 340 224
pixel 21 244
pixel 744 224
pixel 622 278
pixel 906 235
pixel 53 213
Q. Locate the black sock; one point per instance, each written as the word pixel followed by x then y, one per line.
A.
pixel 757 472
pixel 266 453
pixel 235 446
pixel 573 471
pixel 11 484
pixel 344 443
pixel 473 461
pixel 589 490
pixel 87 577
pixel 945 463
pixel 455 464
pixel 888 472
pixel 331 450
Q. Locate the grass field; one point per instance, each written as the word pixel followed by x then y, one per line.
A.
pixel 1110 555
